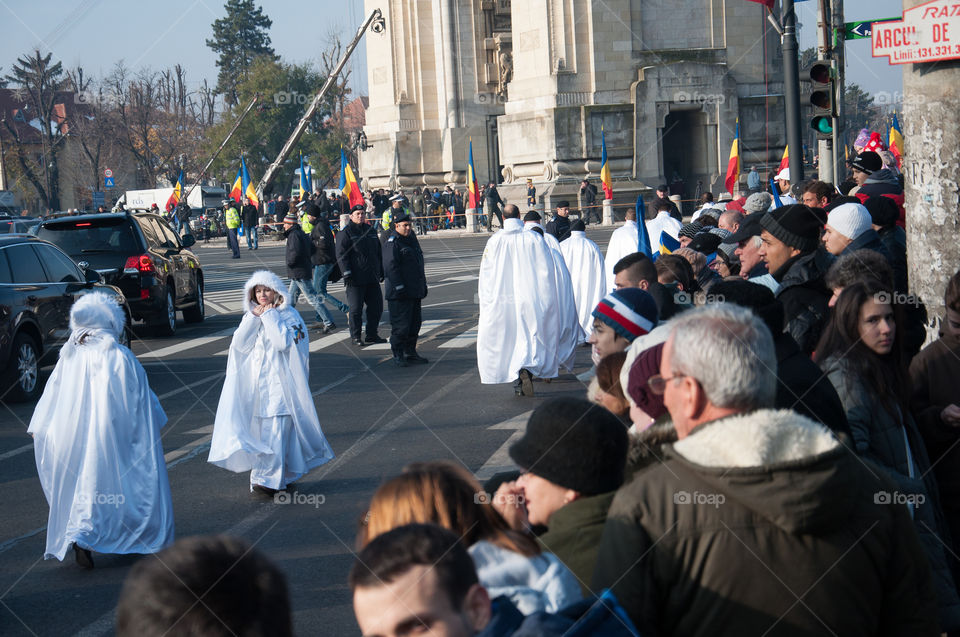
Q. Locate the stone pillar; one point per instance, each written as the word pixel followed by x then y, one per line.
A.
pixel 931 168
pixel 472 220
pixel 608 212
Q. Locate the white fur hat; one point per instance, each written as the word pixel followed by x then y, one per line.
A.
pixel 268 279
pixel 98 310
pixel 850 219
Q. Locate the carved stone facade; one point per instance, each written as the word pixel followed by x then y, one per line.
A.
pixel 532 83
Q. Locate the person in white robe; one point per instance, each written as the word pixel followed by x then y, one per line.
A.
pixel 571 334
pixel 586 266
pixel 519 332
pixel 266 421
pixel 663 222
pixel 623 241
pixel 96 432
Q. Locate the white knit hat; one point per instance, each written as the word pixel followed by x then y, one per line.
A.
pixel 850 219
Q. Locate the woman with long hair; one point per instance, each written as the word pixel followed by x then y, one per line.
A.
pixel 508 562
pixel 861 353
pixel 605 389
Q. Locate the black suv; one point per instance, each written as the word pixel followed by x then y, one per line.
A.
pixel 140 254
pixel 38 285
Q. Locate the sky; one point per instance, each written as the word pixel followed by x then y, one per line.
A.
pixel 96 34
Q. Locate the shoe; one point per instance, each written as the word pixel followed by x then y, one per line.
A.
pixel 357 342
pixel 317 326
pixel 372 340
pixel 259 489
pixel 328 328
pixel 83 556
pixel 400 361
pixel 416 358
pixel 525 383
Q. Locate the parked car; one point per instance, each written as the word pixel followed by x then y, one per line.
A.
pixel 17 225
pixel 140 254
pixel 38 286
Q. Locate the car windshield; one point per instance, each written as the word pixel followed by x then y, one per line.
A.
pixel 79 237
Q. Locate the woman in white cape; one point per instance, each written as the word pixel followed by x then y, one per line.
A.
pixel 266 421
pixel 96 433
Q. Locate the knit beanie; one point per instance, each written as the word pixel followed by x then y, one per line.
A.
pixel 796 225
pixel 758 202
pixel 691 229
pixel 574 444
pixel 723 233
pixel 883 210
pixel 727 252
pixel 631 312
pixel 644 366
pixel 851 220
pixel 867 162
pixel 705 243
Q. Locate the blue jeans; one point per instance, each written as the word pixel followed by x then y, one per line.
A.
pixel 252 239
pixel 320 275
pixel 306 287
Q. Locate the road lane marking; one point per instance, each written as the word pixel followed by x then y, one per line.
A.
pixel 425 328
pixel 500 460
pixel 465 339
pixel 188 344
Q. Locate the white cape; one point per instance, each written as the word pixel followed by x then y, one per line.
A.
pixel 663 222
pixel 96 436
pixel 586 266
pixel 571 334
pixel 267 373
pixel 519 307
pixel 623 241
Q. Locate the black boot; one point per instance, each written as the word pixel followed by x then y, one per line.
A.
pixel 400 361
pixel 83 556
pixel 413 357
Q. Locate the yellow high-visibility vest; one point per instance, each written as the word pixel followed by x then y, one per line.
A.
pixel 232 217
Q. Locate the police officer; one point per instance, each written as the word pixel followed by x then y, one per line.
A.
pixel 232 220
pixel 559 227
pixel 405 286
pixel 361 262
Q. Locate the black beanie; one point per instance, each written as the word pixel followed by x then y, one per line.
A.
pixel 796 225
pixel 883 210
pixel 574 444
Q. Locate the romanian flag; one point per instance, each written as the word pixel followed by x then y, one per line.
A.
pixel 248 190
pixel 236 193
pixel 733 164
pixel 605 168
pixel 348 183
pixel 775 191
pixel 177 191
pixel 643 238
pixel 896 140
pixel 785 160
pixel 473 188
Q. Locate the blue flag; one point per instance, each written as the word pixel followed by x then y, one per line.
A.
pixel 667 243
pixel 643 239
pixel 776 194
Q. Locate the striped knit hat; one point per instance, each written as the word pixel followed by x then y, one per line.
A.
pixel 631 312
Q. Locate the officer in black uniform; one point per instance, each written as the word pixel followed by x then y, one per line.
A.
pixel 406 286
pixel 559 227
pixel 360 258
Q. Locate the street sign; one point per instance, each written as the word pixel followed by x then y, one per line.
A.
pixel 861 30
pixel 928 33
pixel 108 182
pixel 107 172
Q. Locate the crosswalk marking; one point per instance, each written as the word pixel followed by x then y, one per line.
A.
pixel 190 344
pixel 465 339
pixel 425 328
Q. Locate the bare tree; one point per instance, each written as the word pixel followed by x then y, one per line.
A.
pixel 92 123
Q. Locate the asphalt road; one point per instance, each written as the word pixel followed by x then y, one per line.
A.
pixel 377 418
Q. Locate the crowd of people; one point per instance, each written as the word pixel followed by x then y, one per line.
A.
pixel 763 445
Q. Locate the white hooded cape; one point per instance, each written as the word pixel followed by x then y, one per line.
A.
pixel 267 373
pixel 623 241
pixel 586 266
pixel 519 307
pixel 663 222
pixel 97 442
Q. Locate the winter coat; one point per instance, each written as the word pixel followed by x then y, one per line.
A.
pixel 540 582
pixel 883 439
pixel 868 240
pixel 299 248
pixel 886 183
pixel 933 373
pixel 324 250
pixel 595 617
pixel 802 387
pixel 404 276
pixel 574 535
pixel 804 296
pixel 249 214
pixel 493 197
pixel 559 227
pixel 359 255
pixel 646 447
pixel 706 278
pixel 750 513
pixel 674 211
pixel 894 239
pixel 418 205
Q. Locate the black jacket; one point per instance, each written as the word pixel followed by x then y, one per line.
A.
pixel 674 211
pixel 802 387
pixel 894 239
pixel 324 250
pixel 249 215
pixel 805 296
pixel 299 247
pixel 404 276
pixel 559 227
pixel 359 256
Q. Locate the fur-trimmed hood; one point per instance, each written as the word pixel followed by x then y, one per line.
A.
pixel 98 311
pixel 269 279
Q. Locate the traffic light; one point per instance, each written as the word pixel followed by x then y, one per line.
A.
pixel 823 97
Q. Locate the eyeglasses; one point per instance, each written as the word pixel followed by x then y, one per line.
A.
pixel 658 384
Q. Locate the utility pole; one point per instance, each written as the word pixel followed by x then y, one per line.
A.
pixel 825 147
pixel 839 63
pixel 791 90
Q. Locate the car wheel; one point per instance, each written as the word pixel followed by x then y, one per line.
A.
pixel 168 318
pixel 195 314
pixel 21 380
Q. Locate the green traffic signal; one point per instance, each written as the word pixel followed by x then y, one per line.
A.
pixel 823 125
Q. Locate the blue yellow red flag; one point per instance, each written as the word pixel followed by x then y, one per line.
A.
pixel 348 183
pixel 175 195
pixel 473 188
pixel 733 164
pixel 247 184
pixel 605 168
pixel 895 141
